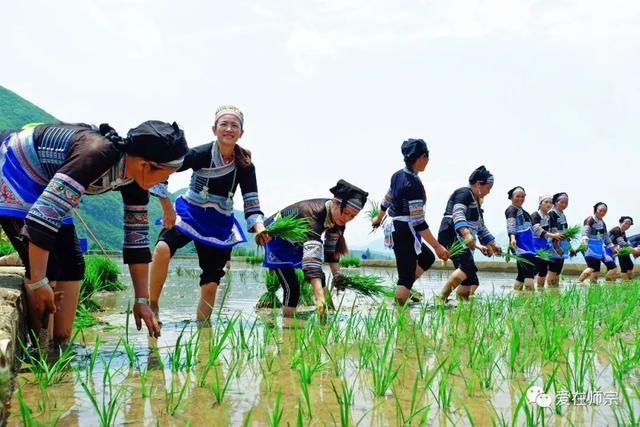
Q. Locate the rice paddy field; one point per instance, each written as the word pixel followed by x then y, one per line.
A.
pixel 557 357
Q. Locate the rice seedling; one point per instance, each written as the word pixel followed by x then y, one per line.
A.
pixel 625 251
pixel 373 211
pixel 218 387
pixel 572 232
pixel 128 347
pixel 416 415
pixel 112 399
pixel 457 248
pixel 143 376
pixel 173 397
pixel 84 318
pixel 381 366
pixel 289 228
pixel 45 371
pixel 186 272
pixel 345 401
pixel 304 388
pixel 509 255
pixel 582 247
pixel 347 261
pixel 367 285
pixel 544 254
pixel 100 275
pixel 252 260
pixel 275 415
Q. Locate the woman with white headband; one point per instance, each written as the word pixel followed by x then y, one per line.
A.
pixel 596 238
pixel 618 236
pixel 204 214
pixel 519 227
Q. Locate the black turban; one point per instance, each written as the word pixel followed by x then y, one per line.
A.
pixel 558 196
pixel 513 190
pixel 414 148
pixel 349 194
pixel 623 218
pixel 482 175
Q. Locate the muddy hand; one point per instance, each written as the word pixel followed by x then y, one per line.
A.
pixel 142 312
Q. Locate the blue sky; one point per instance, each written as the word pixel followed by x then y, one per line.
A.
pixel 544 93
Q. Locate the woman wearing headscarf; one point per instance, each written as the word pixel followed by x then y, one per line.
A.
pixel 326 218
pixel 596 239
pixel 560 248
pixel 520 230
pixel 44 171
pixel 543 238
pixel 204 214
pixel 463 221
pixel 406 226
pixel 618 236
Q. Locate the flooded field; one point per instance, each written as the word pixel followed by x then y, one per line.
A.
pixel 561 357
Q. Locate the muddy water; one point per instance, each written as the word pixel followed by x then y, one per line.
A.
pixel 265 367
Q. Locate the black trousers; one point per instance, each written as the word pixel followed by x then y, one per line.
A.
pixel 406 258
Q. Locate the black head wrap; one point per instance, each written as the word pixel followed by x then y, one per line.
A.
pixel 414 148
pixel 349 194
pixel 597 205
pixel 153 140
pixel 558 196
pixel 482 175
pixel 513 190
pixel 623 218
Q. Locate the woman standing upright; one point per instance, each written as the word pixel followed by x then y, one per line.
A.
pixel 561 248
pixel 463 221
pixel 596 238
pixel 544 238
pixel 519 227
pixel 204 214
pixel 406 227
pixel 618 236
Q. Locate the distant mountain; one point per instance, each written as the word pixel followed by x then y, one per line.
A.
pixel 16 111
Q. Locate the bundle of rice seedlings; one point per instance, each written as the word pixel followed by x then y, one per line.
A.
pixel 349 261
pixel 254 259
pixel 100 275
pixel 582 247
pixel 544 254
pixel 572 232
pixel 368 285
pixel 457 248
pixel 290 228
pixel 269 299
pixel 508 255
pixel 625 250
pixel 306 291
pixel 374 210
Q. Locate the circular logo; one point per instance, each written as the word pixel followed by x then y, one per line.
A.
pixel 544 400
pixel 533 393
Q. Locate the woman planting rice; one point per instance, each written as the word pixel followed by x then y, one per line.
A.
pixel 45 170
pixel 463 222
pixel 520 232
pixel 544 238
pixel 596 238
pixel 406 226
pixel 204 214
pixel 560 248
pixel 618 236
pixel 324 216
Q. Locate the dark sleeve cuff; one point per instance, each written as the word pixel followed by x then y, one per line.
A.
pixel 421 227
pixel 136 256
pixel 313 274
pixel 40 236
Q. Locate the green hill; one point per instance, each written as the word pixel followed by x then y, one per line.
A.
pixel 103 213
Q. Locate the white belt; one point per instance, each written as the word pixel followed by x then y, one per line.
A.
pixel 389 229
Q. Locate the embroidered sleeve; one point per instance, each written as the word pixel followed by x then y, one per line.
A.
pixel 536 220
pixel 605 236
pixel 160 190
pixel 331 238
pixel 461 202
pixel 586 228
pixel 312 260
pixel 249 188
pixel 135 245
pixel 511 214
pixel 88 157
pixel 416 213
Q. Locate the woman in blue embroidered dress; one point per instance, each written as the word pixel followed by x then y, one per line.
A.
pixel 600 248
pixel 406 227
pixel 521 238
pixel 44 171
pixel 204 214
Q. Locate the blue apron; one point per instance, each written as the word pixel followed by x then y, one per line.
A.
pixel 280 253
pixel 524 243
pixel 595 249
pixel 565 245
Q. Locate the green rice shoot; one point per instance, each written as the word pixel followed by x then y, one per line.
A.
pixel 544 254
pixel 572 232
pixel 457 248
pixel 367 285
pixel 509 255
pixel 374 210
pixel 289 227
pixel 582 247
pixel 624 251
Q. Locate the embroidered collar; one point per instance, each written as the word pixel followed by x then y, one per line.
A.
pixel 410 172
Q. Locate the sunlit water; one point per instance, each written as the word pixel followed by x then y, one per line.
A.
pixel 261 372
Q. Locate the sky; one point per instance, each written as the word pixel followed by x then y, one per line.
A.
pixel 545 93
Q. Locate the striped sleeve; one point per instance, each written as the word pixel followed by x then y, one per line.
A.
pixel 312 260
pixel 511 214
pixel 249 187
pixel 416 214
pixel 386 202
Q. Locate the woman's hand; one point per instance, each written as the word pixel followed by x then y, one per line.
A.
pixel 169 217
pixel 262 236
pixel 442 252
